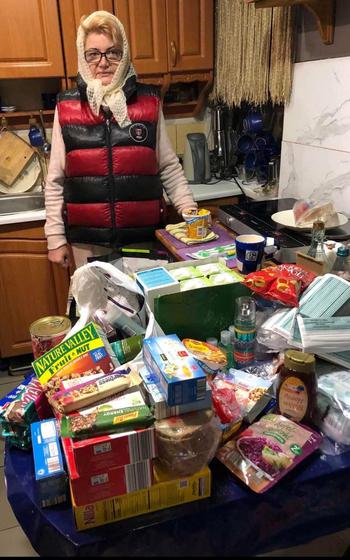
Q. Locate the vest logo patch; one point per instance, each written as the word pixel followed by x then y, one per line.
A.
pixel 138 132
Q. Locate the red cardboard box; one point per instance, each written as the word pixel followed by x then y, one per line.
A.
pixel 93 455
pixel 114 481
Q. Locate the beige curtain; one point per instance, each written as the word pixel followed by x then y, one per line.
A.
pixel 253 60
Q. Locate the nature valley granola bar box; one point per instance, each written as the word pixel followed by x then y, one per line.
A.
pixel 86 350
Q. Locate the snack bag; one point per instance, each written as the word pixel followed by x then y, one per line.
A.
pixel 284 283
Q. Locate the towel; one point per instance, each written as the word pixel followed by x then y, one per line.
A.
pixel 179 232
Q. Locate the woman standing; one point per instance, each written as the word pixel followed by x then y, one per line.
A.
pixel 111 157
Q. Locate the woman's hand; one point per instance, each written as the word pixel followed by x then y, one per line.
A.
pixel 60 256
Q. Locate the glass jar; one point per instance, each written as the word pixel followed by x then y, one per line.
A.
pixel 297 386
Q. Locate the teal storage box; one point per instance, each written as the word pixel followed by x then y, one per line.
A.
pixel 180 376
pixel 50 476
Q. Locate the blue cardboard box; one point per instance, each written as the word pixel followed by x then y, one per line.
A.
pixel 50 476
pixel 180 375
pixel 154 393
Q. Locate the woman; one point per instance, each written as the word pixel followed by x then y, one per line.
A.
pixel 111 156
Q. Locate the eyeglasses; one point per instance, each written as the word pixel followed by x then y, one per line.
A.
pixel 94 56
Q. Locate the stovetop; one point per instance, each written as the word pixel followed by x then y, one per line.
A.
pixel 255 217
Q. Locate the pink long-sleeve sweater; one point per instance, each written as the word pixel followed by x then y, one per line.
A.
pixel 170 170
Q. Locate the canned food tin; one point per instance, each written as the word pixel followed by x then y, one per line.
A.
pixel 47 332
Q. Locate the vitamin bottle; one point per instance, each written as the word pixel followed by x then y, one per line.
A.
pixel 297 386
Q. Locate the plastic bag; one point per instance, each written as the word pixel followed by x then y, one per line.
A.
pixel 104 292
pixel 187 443
pixel 308 210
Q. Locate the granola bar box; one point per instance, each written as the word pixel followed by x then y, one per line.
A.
pixel 107 483
pixel 162 495
pixel 86 350
pixel 266 451
pixel 96 454
pixel 181 377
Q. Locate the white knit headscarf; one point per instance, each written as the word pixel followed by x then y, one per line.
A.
pixel 112 95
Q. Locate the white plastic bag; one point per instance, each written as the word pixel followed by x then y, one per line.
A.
pixel 101 287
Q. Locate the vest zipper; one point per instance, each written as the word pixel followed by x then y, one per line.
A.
pixel 110 174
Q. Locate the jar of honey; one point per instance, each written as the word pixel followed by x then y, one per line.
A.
pixel 297 386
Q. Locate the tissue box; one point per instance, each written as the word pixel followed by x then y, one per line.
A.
pixel 50 476
pixel 181 377
pixel 155 282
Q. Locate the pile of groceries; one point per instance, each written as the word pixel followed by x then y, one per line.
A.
pixel 122 428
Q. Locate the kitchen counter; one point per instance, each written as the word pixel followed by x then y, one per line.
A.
pixel 209 191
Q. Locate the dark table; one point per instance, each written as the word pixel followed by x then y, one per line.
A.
pixel 311 501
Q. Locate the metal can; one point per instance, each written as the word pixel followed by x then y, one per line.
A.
pixel 47 332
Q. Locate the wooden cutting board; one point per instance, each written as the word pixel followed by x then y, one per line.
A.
pixel 15 154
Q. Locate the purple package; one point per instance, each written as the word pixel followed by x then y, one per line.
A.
pixel 267 450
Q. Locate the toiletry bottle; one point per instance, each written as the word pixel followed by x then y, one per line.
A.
pixel 341 266
pixel 316 249
pixel 226 345
pixel 244 331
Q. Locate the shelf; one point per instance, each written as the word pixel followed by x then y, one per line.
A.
pixel 19 119
pixel 323 10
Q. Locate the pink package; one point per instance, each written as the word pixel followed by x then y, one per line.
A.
pixel 266 451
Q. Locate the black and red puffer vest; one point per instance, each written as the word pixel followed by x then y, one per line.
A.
pixel 112 190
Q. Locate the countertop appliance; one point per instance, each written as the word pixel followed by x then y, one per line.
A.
pixel 255 217
pixel 196 162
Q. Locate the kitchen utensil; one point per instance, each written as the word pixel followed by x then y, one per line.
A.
pixel 15 154
pixel 46 147
pixel 26 180
pixel 196 158
pixel 286 219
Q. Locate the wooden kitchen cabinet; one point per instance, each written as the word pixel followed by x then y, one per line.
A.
pixel 71 12
pixel 164 35
pixel 31 287
pixel 30 39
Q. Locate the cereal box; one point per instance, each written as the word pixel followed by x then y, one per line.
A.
pixel 86 350
pixel 163 494
pixel 106 483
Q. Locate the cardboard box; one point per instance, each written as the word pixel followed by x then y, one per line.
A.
pixel 108 483
pixel 93 455
pixel 181 377
pixel 50 476
pixel 155 282
pixel 86 350
pixel 159 496
pixel 154 395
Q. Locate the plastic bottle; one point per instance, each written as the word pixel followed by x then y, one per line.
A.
pixel 297 386
pixel 244 331
pixel 127 348
pixel 316 249
pixel 226 345
pixel 212 340
pixel 341 265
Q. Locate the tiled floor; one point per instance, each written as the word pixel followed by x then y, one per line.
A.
pixel 13 541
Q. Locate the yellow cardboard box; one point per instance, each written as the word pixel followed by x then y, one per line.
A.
pixel 161 495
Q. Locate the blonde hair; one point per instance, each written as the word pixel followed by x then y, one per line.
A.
pixel 104 24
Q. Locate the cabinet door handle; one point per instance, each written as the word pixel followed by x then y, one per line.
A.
pixel 173 53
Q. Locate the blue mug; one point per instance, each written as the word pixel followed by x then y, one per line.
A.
pixel 253 122
pixel 249 252
pixel 245 143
